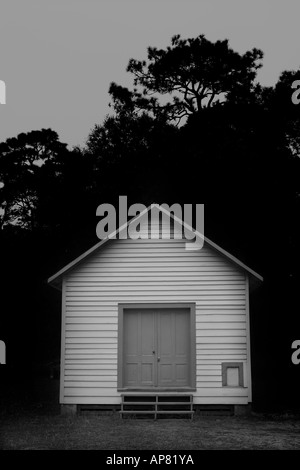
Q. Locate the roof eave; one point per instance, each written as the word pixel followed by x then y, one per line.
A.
pixel 55 280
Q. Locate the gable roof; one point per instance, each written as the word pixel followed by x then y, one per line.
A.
pixel 56 279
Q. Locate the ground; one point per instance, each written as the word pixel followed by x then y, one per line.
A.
pixel 32 420
pixel 37 430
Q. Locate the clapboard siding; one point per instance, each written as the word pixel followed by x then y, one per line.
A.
pixel 151 271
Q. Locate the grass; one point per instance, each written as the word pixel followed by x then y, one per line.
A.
pixel 36 429
pixel 33 424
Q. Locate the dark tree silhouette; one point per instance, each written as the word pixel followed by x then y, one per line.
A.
pixel 24 160
pixel 195 73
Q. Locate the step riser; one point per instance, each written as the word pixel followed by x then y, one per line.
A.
pixel 156 405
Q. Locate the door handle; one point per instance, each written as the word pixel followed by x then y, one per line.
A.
pixel 158 359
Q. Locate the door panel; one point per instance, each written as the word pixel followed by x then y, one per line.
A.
pixel 165 349
pixel 139 340
pixel 147 345
pixel 156 348
pixel 173 348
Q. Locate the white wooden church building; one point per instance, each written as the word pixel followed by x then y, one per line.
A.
pixel 148 318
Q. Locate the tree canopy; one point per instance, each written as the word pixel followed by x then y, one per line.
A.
pixel 25 161
pixel 192 73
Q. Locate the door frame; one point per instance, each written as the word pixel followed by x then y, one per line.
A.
pixel 158 306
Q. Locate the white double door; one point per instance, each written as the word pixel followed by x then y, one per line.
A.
pixel 156 348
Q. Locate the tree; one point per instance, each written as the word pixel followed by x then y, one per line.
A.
pixel 131 155
pixel 195 73
pixel 281 103
pixel 24 162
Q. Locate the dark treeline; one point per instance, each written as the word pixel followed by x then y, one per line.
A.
pixel 196 128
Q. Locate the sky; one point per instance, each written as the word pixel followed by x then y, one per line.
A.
pixel 58 57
